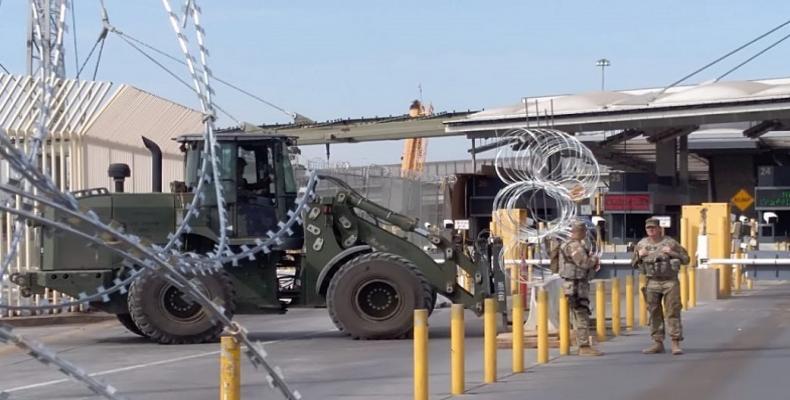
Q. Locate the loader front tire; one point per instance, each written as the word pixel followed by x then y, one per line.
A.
pixel 374 295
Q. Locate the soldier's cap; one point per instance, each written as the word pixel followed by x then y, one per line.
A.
pixel 652 222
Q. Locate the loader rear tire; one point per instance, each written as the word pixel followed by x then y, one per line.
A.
pixel 128 323
pixel 165 316
pixel 373 296
pixel 432 303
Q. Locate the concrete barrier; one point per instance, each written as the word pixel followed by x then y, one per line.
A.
pixel 553 287
pixel 707 281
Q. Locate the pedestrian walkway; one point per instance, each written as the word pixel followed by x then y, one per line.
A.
pixel 737 348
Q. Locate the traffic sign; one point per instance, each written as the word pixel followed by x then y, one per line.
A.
pixel 462 224
pixel 742 200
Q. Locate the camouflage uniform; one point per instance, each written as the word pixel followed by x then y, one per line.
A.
pixel 661 270
pixel 576 267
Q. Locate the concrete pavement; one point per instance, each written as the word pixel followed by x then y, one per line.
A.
pixel 737 348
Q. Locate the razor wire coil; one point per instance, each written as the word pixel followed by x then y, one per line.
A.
pixel 29 191
pixel 543 169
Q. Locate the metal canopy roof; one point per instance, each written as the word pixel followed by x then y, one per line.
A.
pixel 20 96
pixel 649 110
pixel 623 127
pixel 115 115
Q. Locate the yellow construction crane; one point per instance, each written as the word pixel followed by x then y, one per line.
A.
pixel 414 150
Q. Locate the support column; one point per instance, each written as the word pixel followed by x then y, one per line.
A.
pixel 729 173
pixel 683 162
pixel 666 161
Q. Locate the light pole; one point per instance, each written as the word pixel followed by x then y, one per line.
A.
pixel 603 63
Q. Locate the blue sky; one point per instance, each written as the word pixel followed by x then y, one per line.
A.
pixel 329 60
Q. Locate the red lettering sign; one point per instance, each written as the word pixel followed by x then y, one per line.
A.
pixel 627 202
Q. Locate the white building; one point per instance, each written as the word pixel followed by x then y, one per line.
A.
pixel 92 124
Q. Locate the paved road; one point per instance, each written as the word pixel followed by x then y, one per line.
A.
pixel 317 360
pixel 736 349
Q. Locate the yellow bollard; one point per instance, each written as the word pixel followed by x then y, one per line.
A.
pixel 565 326
pixel 229 373
pixel 530 273
pixel 457 352
pixel 749 283
pixel 489 341
pixel 692 271
pixel 514 284
pixel 518 335
pixel 420 354
pixel 642 302
pixel 736 271
pixel 629 302
pixel 684 287
pixel 725 281
pixel 615 306
pixel 543 326
pixel 721 247
pixel 738 278
pixel 600 310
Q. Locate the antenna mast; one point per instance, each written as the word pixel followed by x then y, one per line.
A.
pixel 48 44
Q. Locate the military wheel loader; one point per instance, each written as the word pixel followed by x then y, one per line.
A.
pixel 351 254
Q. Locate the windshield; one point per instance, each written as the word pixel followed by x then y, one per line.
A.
pixel 193 161
pixel 192 165
pixel 288 171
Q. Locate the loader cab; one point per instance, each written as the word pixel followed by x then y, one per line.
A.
pixel 256 176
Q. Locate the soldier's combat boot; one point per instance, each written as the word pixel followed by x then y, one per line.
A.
pixel 589 351
pixel 676 350
pixel 657 347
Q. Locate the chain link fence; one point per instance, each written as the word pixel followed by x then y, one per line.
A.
pixel 423 199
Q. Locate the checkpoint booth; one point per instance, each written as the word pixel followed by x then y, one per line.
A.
pixel 633 198
pixel 772 203
pixel 472 198
pixel 626 206
pixel 625 215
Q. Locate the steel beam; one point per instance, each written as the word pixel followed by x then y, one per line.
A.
pixel 763 127
pixel 671 133
pixel 622 136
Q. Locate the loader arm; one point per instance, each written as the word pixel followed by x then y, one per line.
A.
pixel 349 219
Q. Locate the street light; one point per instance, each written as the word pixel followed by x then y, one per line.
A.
pixel 603 63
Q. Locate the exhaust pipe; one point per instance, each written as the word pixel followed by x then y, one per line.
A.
pixel 156 164
pixel 119 172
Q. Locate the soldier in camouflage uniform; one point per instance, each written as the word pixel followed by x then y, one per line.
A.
pixel 577 265
pixel 659 258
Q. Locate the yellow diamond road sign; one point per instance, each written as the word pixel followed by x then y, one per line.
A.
pixel 742 200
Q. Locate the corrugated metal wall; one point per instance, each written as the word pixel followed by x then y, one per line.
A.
pixel 115 136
